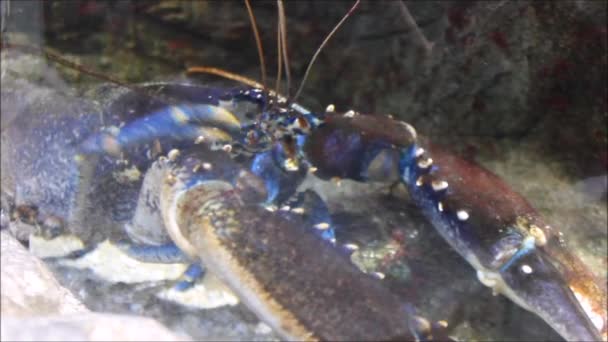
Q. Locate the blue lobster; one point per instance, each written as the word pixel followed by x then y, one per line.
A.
pixel 221 164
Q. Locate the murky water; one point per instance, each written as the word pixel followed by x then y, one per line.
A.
pixel 518 87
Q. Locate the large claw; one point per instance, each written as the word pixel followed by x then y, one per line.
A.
pixel 498 232
pixel 492 227
pixel 292 279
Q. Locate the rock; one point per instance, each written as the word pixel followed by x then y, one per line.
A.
pixel 28 287
pixel 86 327
pixel 36 307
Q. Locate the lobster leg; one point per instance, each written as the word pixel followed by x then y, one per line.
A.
pixel 167 253
pixel 194 273
pixel 314 213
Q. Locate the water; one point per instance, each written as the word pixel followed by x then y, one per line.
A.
pixel 519 87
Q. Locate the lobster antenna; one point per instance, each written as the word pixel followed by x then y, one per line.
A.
pixel 409 20
pixel 283 47
pixel 72 65
pixel 279 59
pixel 225 74
pixel 258 42
pixel 314 57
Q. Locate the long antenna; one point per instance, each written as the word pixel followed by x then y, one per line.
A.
pixel 72 65
pixel 279 58
pixel 225 74
pixel 314 57
pixel 409 20
pixel 258 42
pixel 283 47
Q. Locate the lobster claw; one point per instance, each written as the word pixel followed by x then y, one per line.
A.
pixel 208 174
pixel 533 282
pixel 506 240
pixel 295 281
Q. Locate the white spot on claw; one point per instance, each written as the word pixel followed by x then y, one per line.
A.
pixel 349 114
pixel 207 166
pixel 173 154
pixel 379 275
pixel 419 181
pixel 462 215
pixel 526 269
pixel 419 152
pixel 440 206
pixel 351 246
pixel 439 185
pixel 322 225
pixel 425 163
pixel 298 210
pixel 330 108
